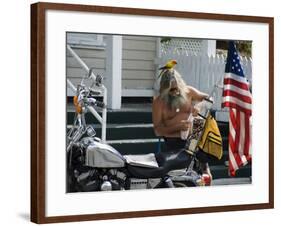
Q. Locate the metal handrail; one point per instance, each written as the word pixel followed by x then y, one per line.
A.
pixel 102 119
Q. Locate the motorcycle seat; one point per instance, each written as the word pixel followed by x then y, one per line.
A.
pixel 167 161
pixel 147 160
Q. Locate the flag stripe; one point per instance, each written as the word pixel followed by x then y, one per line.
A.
pixel 236 103
pixel 232 99
pixel 243 98
pixel 247 134
pixel 232 120
pixel 244 160
pixel 249 156
pixel 238 78
pixel 237 137
pixel 231 141
pixel 232 164
pixel 233 105
pixel 242 134
pixel 234 141
pixel 238 159
pixel 237 90
pixel 236 83
pixel 235 158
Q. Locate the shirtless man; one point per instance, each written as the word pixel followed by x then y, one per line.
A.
pixel 171 109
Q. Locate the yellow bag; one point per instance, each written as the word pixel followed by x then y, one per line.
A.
pixel 211 140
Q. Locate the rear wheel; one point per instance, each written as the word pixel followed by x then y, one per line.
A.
pixel 183 184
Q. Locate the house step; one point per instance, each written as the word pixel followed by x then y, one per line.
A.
pixel 129 138
pixel 224 128
pixel 116 117
pixel 221 171
pixel 222 161
pixel 135 131
pixel 135 146
pixel 128 131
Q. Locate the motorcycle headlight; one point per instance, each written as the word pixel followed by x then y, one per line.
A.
pixel 90 131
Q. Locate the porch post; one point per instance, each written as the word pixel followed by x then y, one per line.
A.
pixel 209 47
pixel 114 71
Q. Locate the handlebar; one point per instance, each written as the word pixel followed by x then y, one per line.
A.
pixel 100 104
pixel 94 92
pixel 208 99
pixel 205 107
pixel 85 97
pixel 93 101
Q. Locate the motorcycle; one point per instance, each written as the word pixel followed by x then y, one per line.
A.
pixel 93 165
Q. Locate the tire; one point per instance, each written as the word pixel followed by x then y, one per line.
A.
pixel 183 184
pixel 161 185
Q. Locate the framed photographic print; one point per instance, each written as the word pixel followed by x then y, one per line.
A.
pixel 140 112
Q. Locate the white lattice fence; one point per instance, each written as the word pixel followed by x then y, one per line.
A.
pixel 182 45
pixel 204 72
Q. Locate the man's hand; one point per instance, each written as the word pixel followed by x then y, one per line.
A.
pixel 195 111
pixel 184 125
pixel 202 106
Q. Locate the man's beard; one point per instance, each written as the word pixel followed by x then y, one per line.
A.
pixel 173 102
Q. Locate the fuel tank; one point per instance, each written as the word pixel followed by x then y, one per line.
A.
pixel 101 155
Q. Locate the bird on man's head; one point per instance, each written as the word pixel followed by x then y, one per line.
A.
pixel 168 66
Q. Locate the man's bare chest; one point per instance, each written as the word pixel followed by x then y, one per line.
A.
pixel 172 113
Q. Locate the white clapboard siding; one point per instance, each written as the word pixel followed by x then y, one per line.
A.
pixel 97 63
pixel 141 55
pixel 89 53
pixel 138 67
pixel 204 71
pixel 79 72
pixel 141 65
pixel 86 81
pixel 137 74
pixel 145 44
pixel 145 84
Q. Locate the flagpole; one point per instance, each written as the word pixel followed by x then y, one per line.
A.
pixel 217 85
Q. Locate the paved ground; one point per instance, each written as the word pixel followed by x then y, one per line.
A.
pixel 232 181
pixel 141 183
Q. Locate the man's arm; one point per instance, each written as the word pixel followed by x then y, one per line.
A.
pixel 196 94
pixel 160 128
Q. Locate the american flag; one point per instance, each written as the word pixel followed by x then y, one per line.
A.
pixel 237 96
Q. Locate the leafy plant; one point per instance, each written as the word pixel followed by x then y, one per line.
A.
pixel 245 48
pixel 165 40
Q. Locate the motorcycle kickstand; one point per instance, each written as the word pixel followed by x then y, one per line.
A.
pixel 168 181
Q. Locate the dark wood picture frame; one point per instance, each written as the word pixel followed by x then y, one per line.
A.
pixel 38 79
